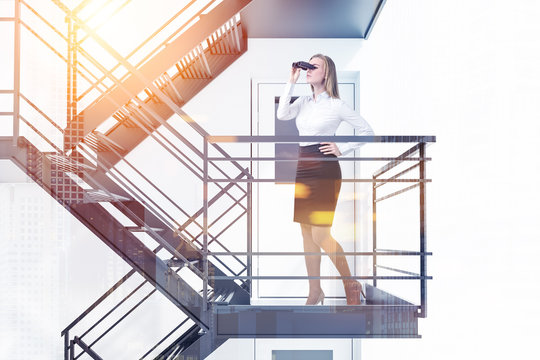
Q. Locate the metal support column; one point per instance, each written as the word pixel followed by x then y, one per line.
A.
pixel 205 230
pixel 16 71
pixel 71 350
pixel 66 345
pixel 249 238
pixel 374 220
pixel 71 137
pixel 69 91
pixel 423 267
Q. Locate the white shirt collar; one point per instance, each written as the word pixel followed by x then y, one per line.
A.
pixel 323 95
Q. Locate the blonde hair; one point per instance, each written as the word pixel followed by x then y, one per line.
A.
pixel 330 76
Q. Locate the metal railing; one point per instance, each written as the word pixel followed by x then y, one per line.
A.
pixel 419 162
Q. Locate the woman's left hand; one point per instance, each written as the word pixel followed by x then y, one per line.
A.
pixel 329 148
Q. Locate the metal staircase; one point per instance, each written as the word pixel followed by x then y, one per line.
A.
pixel 89 171
pixel 81 173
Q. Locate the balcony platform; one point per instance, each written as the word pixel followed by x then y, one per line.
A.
pixel 381 316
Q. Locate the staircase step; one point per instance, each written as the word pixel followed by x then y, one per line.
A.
pixel 142 229
pixel 98 195
pixel 100 143
pixel 194 65
pixel 226 40
pixel 175 263
pixel 66 164
pixel 165 84
pixel 223 297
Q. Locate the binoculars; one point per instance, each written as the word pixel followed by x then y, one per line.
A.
pixel 303 65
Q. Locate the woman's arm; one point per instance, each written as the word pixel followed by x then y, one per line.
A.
pixel 286 110
pixel 360 125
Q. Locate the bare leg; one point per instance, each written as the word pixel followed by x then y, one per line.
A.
pixel 313 264
pixel 323 238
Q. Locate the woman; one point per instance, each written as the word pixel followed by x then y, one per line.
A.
pixel 318 182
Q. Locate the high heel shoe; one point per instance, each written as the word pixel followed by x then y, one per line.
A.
pixel 320 299
pixel 354 293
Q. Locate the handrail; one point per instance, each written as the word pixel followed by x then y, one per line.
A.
pixel 345 253
pixel 35 107
pixel 337 139
pixel 285 277
pixel 239 158
pixel 47 140
pixel 103 20
pixel 398 159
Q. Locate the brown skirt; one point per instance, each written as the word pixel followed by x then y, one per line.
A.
pixel 317 187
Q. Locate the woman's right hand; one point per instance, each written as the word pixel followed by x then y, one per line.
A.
pixel 295 73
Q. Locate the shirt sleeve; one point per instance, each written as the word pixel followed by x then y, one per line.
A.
pixel 360 125
pixel 286 110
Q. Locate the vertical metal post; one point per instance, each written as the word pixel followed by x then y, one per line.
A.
pixel 73 64
pixel 423 269
pixel 71 350
pixel 66 345
pixel 71 136
pixel 205 226
pixel 249 237
pixel 69 119
pixel 374 220
pixel 16 71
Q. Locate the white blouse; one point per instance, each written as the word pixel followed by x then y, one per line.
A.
pixel 321 117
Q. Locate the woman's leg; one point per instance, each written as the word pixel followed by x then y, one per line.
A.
pixel 323 238
pixel 313 264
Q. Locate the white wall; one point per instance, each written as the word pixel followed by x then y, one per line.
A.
pixel 467 71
